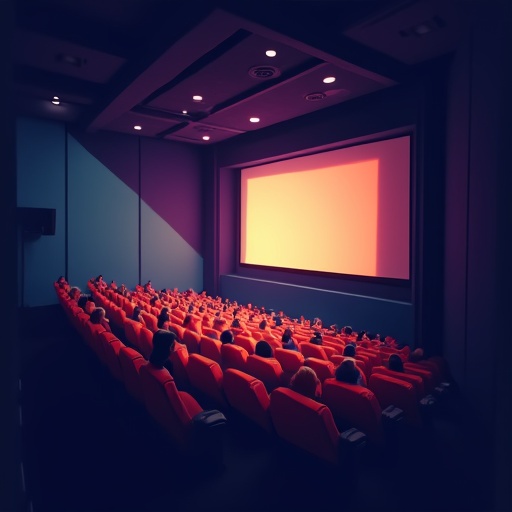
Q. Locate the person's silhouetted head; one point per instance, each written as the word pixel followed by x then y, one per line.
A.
pixel 163 344
pixel 263 349
pixel 226 337
pixel 305 382
pixel 263 324
pixel 349 350
pixel 136 313
pixel 416 355
pixel 97 315
pixel 347 372
pixel 395 363
pixel 347 330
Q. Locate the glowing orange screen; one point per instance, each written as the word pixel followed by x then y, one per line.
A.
pixel 344 211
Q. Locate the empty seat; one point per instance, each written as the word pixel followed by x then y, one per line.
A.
pixel 267 369
pixel 305 423
pixel 323 369
pixel 131 331
pixel 170 408
pixel 415 380
pixel 424 373
pixel 233 356
pixel 354 406
pixel 150 320
pixel 248 395
pixel 145 341
pixel 397 392
pixel 130 361
pixel 205 375
pixel 312 350
pixel 112 346
pixel 179 360
pixel 290 361
pixel 91 331
pixel 210 348
pixel 247 342
pixel 192 341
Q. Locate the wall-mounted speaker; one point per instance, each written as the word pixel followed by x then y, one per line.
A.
pixel 37 221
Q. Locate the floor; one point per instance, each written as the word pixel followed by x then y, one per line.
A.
pixel 87 446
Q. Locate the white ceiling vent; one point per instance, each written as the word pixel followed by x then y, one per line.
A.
pixel 264 72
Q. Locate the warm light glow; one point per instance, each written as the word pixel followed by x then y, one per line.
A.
pixel 137 127
pixel 206 137
pixel 56 100
pixel 197 98
pixel 270 53
pixel 329 79
pixel 344 211
pixel 254 119
pixel 184 111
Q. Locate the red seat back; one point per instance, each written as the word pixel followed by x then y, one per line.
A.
pixel 210 348
pixel 354 406
pixel 130 361
pixel 268 370
pixel 205 375
pixel 234 356
pixel 317 433
pixel 248 395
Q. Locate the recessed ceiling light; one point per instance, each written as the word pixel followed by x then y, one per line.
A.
pixel 254 119
pixel 137 127
pixel 329 79
pixel 56 100
pixel 184 111
pixel 206 137
pixel 270 53
pixel 197 98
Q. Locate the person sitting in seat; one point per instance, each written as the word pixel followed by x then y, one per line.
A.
pixel 306 382
pixel 163 344
pixel 263 349
pixel 288 341
pixel 227 337
pixel 395 363
pixel 98 316
pixel 137 315
pixel 348 372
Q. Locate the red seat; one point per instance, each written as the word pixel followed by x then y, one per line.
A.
pixel 305 423
pixel 233 356
pixel 354 406
pixel 170 408
pixel 91 332
pixel 131 331
pixel 211 348
pixel 130 361
pixel 311 350
pixel 290 361
pixel 266 369
pixel 415 380
pixel 247 342
pixel 112 346
pixel 424 373
pixel 206 377
pixel 397 392
pixel 150 320
pixel 248 395
pixel 323 369
pixel 179 359
pixel 145 341
pixel 192 341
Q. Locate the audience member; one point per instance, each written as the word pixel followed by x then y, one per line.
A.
pixel 348 372
pixel 164 319
pixel 288 341
pixel 227 337
pixel 263 349
pixel 316 339
pixel 74 294
pixel 163 344
pixel 305 382
pixel 395 363
pixel 98 316
pixel 62 283
pixel 137 316
pixel 349 350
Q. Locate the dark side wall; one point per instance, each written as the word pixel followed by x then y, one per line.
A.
pixel 128 208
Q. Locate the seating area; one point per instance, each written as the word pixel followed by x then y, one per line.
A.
pixel 260 413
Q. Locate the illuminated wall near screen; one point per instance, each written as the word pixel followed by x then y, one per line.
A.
pixel 345 211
